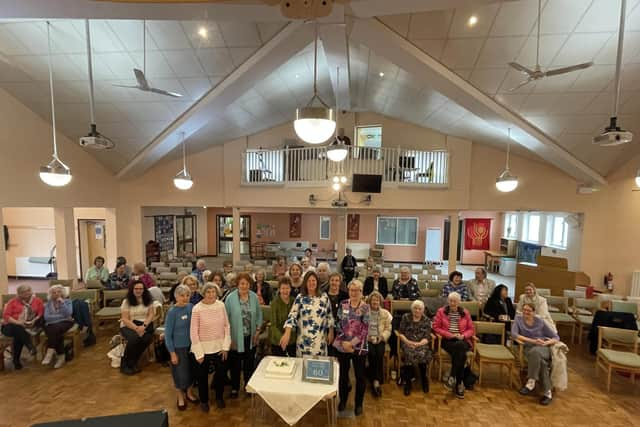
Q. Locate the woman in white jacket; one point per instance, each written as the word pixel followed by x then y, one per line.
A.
pixel 379 333
pixel 531 296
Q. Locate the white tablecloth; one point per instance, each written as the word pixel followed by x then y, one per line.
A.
pixel 291 398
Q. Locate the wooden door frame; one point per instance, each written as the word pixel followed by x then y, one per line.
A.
pixel 80 243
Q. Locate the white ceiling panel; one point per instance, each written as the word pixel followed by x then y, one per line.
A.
pixel 515 18
pixel 269 29
pixel 240 34
pixel 629 54
pixel 555 84
pixel 538 104
pixel 571 103
pixel 103 39
pixel 581 47
pixel 549 47
pixel 562 16
pixel 433 47
pixel 603 16
pixel 120 64
pixel 184 63
pixel 461 53
pixel 430 25
pixel 485 15
pixel 550 124
pixel 498 51
pixel 195 87
pixel 593 79
pixel 400 24
pixel 216 61
pixel 168 35
pixel 129 34
pixel 488 80
pixel 213 35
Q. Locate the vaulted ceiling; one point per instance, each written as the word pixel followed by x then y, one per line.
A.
pixel 418 61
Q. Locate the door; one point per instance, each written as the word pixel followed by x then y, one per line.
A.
pixel 433 246
pixel 186 231
pixel 92 243
pixel 225 234
pixel 447 237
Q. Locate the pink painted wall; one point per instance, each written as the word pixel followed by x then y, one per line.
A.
pixel 476 256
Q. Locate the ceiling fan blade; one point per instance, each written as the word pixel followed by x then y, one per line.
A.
pixel 140 77
pixel 569 69
pixel 520 85
pixel 165 92
pixel 127 86
pixel 520 68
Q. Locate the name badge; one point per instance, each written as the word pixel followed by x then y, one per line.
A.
pixel 184 317
pixel 345 311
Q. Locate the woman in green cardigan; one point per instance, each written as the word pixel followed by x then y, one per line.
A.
pixel 245 317
pixel 280 308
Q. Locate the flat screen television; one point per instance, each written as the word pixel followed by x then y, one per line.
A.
pixel 361 183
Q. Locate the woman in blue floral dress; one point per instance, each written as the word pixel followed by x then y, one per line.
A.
pixel 311 316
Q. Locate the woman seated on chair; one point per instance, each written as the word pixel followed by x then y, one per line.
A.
pixel 245 318
pixel 210 342
pixel 140 274
pixel 261 288
pixel 379 333
pixel 119 279
pixel 455 284
pixel 539 302
pixel 537 337
pixel 178 342
pixel 376 282
pixel 453 323
pixel 499 307
pixel 280 308
pixel 192 283
pixel 136 325
pixel 369 266
pixel 97 272
pixel 306 265
pixel 21 319
pixel 279 268
pixel 57 321
pixel 351 343
pixel 405 287
pixel 414 335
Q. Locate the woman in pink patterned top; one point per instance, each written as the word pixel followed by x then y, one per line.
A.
pixel 351 342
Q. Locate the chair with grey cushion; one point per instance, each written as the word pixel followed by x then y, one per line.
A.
pixel 611 360
pixel 583 310
pixel 562 317
pixel 493 354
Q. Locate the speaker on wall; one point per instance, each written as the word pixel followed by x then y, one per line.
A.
pixel 137 419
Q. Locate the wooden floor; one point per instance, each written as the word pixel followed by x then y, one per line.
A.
pixel 88 387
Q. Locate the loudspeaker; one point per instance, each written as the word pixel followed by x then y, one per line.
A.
pixel 138 419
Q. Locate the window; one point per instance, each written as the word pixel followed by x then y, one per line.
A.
pixel 557 235
pixel 325 227
pixel 510 226
pixel 369 136
pixel 397 231
pixel 533 228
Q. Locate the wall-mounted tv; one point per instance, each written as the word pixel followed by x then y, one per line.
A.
pixel 361 183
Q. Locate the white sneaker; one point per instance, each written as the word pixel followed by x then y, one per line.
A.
pixel 531 384
pixel 48 357
pixel 59 361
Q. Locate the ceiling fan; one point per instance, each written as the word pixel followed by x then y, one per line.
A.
pixel 291 9
pixel 537 73
pixel 143 84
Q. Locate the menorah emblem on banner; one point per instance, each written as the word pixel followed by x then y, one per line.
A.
pixel 477 234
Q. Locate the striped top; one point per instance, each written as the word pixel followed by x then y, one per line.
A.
pixel 210 330
pixel 454 322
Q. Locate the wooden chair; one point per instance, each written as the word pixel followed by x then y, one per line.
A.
pixel 93 284
pixel 604 300
pixel 562 317
pixel 625 307
pixel 543 292
pixel 443 356
pixel 66 282
pixel 399 353
pixel 73 334
pixel 113 294
pixel 5 342
pixel 473 307
pixel 163 269
pixel 429 293
pixel 496 354
pixel 90 296
pixel 437 284
pixel 583 311
pixel 614 360
pixel 572 295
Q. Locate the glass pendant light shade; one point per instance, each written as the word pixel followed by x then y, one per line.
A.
pixel 314 125
pixel 183 180
pixel 638 178
pixel 338 151
pixel 506 182
pixel 56 173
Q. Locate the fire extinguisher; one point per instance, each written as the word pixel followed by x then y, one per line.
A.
pixel 608 281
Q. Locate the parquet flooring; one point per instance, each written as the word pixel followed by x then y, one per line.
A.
pixel 88 386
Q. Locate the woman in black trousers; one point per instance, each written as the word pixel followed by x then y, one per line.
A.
pixel 136 325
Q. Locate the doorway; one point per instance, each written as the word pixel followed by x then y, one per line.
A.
pixel 92 243
pixel 447 238
pixel 225 234
pixel 433 245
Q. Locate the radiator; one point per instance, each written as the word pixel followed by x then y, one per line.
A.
pixel 635 284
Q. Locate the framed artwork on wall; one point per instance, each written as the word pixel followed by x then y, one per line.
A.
pixel 295 225
pixel 353 227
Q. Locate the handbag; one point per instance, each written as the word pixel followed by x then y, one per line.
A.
pixel 469 379
pixel 161 352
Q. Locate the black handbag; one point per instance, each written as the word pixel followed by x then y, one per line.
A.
pixel 161 352
pixel 469 379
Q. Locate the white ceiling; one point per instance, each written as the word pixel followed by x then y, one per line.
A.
pixel 570 109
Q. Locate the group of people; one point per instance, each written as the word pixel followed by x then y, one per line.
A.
pixel 26 316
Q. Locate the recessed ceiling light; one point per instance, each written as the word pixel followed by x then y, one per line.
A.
pixel 203 32
pixel 473 20
pixel 381 74
pixel 297 76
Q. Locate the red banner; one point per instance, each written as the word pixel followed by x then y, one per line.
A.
pixel 476 233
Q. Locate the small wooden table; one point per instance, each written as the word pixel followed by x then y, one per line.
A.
pixel 490 257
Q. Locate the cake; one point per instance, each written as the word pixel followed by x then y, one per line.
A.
pixel 281 367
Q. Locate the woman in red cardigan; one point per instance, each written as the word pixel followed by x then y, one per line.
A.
pixel 21 315
pixel 454 324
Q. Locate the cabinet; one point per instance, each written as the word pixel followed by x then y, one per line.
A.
pixel 508 246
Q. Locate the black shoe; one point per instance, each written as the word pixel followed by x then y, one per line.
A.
pixel 234 394
pixel 220 404
pixel 525 391
pixel 181 407
pixel 377 391
pixel 425 385
pixel 342 406
pixel 89 340
pixel 204 407
pixel 407 388
pixel 17 365
pixel 460 391
pixel 545 400
pixel 358 411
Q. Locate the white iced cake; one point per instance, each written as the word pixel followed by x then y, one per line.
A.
pixel 281 367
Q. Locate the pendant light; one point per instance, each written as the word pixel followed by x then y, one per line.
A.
pixel 56 173
pixel 337 151
pixel 183 180
pixel 315 124
pixel 505 181
pixel 638 178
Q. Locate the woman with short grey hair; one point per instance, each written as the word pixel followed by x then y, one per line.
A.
pixel 414 335
pixel 405 287
pixel 22 315
pixel 178 342
pixel 57 321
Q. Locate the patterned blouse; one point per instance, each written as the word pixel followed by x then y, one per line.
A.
pixel 461 289
pixel 312 318
pixel 409 290
pixel 352 324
